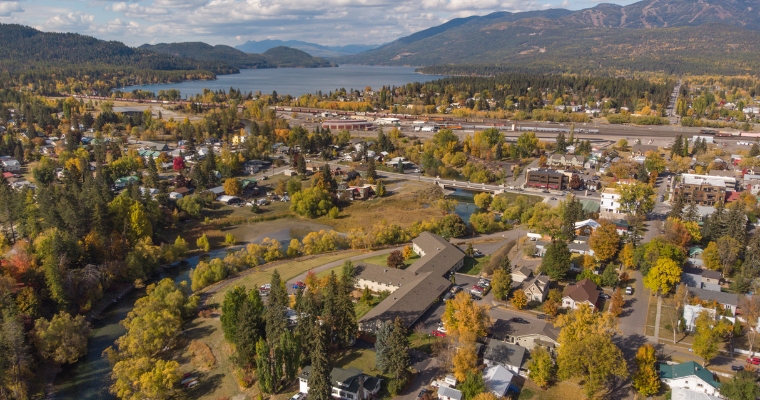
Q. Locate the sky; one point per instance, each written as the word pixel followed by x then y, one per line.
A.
pixel 233 22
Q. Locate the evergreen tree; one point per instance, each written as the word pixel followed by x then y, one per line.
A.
pixel 276 324
pixel 561 144
pixel 371 169
pixel 330 183
pixel 556 262
pixel 677 148
pixel 572 212
pixel 346 327
pixel 301 165
pixel 677 207
pixel 736 223
pixel 692 212
pixel 397 354
pixel 715 224
pixel 320 387
pixel 251 327
pixel 331 305
pixel 263 370
pixel 641 174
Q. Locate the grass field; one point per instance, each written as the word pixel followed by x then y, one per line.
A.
pixel 382 260
pixel 473 266
pixel 558 391
pixel 406 203
pixel 288 269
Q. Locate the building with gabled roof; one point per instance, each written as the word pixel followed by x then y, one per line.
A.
pixel 510 356
pixel 691 376
pixel 498 379
pixel 417 288
pixel 537 289
pixel 346 383
pixel 583 292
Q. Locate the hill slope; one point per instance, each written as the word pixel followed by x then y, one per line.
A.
pixel 23 48
pixel 278 57
pixel 676 36
pixel 313 49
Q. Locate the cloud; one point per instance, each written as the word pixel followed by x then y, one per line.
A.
pixel 9 7
pixel 75 21
pixel 329 22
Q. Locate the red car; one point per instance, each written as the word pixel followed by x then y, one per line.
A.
pixel 438 333
pixel 754 360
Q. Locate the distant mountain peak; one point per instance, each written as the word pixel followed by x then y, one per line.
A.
pixel 313 49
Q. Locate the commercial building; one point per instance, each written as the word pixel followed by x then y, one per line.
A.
pixel 413 290
pixel 348 124
pixel 704 190
pixel 546 179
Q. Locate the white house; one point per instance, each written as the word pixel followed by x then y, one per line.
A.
pixel 11 165
pixel 583 292
pixel 498 379
pixel 690 376
pixel 509 356
pixel 610 202
pixel 536 289
pixel 346 383
pixel 686 394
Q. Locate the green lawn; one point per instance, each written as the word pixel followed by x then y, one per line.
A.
pixel 382 260
pixel 364 359
pixel 473 266
pixel 422 341
pixel 361 308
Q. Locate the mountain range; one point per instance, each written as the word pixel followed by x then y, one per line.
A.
pixel 672 36
pixel 275 57
pixel 314 49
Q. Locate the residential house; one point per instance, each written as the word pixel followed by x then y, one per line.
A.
pixel 123 182
pixel 691 312
pixel 752 185
pixel 11 165
pixel 521 274
pixel 536 289
pixel 510 356
pixel 217 191
pixel 686 394
pixel 546 179
pixel 537 333
pixel 701 278
pixel 583 292
pixel 691 376
pixel 642 149
pixel 728 301
pixel 566 160
pixel 347 384
pixel 497 380
pixel 587 227
pixel 610 202
pixel 419 289
pixel 447 393
pixel 580 248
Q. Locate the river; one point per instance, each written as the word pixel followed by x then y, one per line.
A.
pixel 89 379
pixel 299 81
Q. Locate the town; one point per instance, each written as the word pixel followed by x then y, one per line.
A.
pixel 262 249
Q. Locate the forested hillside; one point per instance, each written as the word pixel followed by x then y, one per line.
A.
pixel 44 60
pixel 278 57
pixel 671 36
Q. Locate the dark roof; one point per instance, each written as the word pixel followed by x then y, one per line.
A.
pixel 440 255
pixel 687 369
pixel 410 301
pixel 542 171
pixel 344 378
pixel 384 274
pixel 504 353
pixel 720 297
pixel 585 290
pixel 643 148
pixel 182 190
pixel 708 273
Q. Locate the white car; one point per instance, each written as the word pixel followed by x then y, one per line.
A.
pixel 629 290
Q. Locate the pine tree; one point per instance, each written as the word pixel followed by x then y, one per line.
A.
pixel 736 223
pixel 398 354
pixel 263 370
pixel 346 327
pixel 276 308
pixel 331 305
pixel 320 387
pixel 641 174
pixel 677 207
pixel 561 144
pixel 371 169
pixel 677 148
pixel 251 327
pixel 692 212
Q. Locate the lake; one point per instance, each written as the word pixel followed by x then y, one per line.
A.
pixel 299 81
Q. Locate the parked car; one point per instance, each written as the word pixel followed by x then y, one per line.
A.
pixel 542 316
pixel 456 289
pixel 475 296
pixel 266 286
pixel 477 253
pixel 422 394
pixel 519 320
pixel 604 296
pixel 448 296
pixel 298 396
pixel 737 368
pixel 438 333
pixel 754 360
pixel 629 290
pixel 299 285
pixel 478 290
pixel 484 283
